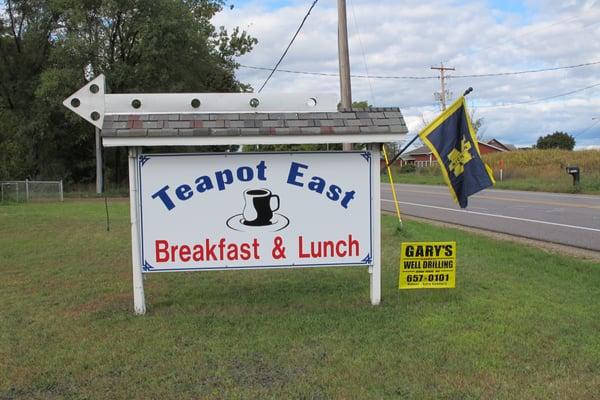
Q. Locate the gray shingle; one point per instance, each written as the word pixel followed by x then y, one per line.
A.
pixel 330 122
pixel 195 132
pixel 167 132
pixel 353 121
pixel 341 115
pixel 299 123
pixel 229 117
pixel 253 116
pixel 358 122
pixel 283 116
pixel 272 124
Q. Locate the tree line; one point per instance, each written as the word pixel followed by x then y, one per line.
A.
pixel 50 48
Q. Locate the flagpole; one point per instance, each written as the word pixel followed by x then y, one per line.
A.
pixel 469 90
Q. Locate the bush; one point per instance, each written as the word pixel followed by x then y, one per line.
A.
pixel 407 168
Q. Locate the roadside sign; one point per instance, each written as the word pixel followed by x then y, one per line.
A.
pixel 255 210
pixel 427 265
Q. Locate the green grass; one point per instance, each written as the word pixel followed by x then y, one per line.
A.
pixel 522 323
pixel 532 170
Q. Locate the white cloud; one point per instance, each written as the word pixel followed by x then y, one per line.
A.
pixel 406 38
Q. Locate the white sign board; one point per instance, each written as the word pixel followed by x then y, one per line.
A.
pixel 255 210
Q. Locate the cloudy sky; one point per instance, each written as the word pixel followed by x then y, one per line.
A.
pixel 407 37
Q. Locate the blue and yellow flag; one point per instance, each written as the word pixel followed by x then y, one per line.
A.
pixel 452 140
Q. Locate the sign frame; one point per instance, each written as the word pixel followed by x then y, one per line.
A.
pixel 373 265
pixel 148 268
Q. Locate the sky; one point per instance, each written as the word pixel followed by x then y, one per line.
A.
pixel 406 38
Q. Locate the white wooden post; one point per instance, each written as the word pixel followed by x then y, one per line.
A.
pixel 27 190
pixel 139 301
pixel 375 269
pixel 62 194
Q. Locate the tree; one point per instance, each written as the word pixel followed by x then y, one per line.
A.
pixel 477 124
pixel 50 48
pixel 557 140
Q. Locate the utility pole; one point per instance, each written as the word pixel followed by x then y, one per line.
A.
pixel 443 94
pixel 344 61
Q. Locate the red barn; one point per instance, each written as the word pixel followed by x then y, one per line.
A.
pixel 423 157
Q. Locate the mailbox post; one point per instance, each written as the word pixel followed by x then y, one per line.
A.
pixel 574 172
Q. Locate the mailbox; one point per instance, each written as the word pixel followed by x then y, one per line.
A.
pixel 574 171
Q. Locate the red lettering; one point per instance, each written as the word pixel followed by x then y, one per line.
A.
pixel 245 251
pixel 210 251
pixel 338 252
pixel 173 251
pixel 327 251
pixel 255 246
pixel 301 252
pixel 162 254
pixel 198 253
pixel 184 253
pixel 353 244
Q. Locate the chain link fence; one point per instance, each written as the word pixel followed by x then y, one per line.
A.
pixel 24 191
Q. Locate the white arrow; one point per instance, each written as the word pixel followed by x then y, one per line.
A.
pixel 91 103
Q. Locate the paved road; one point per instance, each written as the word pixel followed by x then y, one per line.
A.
pixel 567 219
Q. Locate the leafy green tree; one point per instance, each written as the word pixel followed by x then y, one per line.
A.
pixel 50 48
pixel 557 140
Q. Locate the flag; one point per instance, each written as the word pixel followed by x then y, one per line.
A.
pixel 451 138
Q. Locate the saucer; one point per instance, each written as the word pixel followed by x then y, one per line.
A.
pixel 278 222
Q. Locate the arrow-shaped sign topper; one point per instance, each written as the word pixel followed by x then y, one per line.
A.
pixel 88 102
pixel 92 104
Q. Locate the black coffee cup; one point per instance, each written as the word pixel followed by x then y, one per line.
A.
pixel 257 209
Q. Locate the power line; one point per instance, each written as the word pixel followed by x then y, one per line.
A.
pixel 545 98
pixel 531 71
pixel 587 129
pixel 362 48
pixel 289 45
pixel 484 75
pixel 336 75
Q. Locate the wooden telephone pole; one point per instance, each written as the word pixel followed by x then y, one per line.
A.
pixel 443 93
pixel 344 61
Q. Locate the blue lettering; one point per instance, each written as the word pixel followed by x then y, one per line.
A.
pixel 203 184
pixel 184 192
pixel 261 171
pixel 295 172
pixel 316 184
pixel 245 174
pixel 334 193
pixel 162 194
pixel 347 197
pixel 224 177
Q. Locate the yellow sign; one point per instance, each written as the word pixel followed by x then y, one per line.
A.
pixel 427 265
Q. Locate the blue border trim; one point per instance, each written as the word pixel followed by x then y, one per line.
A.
pixel 148 268
pixel 143 159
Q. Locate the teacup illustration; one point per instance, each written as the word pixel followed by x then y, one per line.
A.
pixel 258 207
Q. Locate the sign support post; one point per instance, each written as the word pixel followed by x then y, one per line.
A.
pixel 139 301
pixel 375 269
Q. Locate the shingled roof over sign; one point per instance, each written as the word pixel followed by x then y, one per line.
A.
pixel 327 125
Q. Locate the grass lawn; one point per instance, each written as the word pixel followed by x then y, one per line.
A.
pixel 533 170
pixel 522 323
